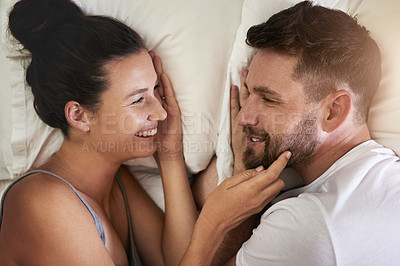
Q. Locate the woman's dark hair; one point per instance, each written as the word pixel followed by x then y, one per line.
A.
pixel 69 50
pixel 333 50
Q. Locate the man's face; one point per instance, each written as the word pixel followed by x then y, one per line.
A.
pixel 276 115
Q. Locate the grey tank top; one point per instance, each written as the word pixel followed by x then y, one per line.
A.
pixel 133 256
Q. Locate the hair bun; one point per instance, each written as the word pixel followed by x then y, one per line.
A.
pixel 31 21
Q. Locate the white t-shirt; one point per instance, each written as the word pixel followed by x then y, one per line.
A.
pixel 350 215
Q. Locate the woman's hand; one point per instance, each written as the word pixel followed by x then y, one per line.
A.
pixel 243 195
pixel 238 139
pixel 180 210
pixel 169 137
pixel 232 202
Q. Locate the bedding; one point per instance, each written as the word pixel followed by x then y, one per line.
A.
pixel 203 50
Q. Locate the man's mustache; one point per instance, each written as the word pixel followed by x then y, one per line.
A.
pixel 253 131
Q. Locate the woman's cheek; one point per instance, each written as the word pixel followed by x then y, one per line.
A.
pixel 130 123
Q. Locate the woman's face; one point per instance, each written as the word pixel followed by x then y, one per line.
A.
pixel 130 110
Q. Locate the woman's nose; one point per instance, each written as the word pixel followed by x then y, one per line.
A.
pixel 157 113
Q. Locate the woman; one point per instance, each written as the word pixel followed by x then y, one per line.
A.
pixel 92 78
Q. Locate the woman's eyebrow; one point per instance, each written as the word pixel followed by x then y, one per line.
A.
pixel 136 92
pixel 142 90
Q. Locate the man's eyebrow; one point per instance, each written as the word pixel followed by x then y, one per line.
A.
pixel 264 89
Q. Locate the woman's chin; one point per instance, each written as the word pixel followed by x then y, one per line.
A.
pixel 135 149
pixel 142 153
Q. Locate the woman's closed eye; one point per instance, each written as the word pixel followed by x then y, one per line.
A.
pixel 141 99
pixel 138 101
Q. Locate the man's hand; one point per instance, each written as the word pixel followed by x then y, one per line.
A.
pixel 238 138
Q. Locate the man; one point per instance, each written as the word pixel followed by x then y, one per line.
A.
pixel 308 90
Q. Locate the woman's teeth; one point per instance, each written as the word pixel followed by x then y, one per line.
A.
pixel 147 133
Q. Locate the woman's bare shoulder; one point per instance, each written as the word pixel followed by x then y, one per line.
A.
pixel 37 194
pixel 42 213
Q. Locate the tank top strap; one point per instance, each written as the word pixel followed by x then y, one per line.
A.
pixel 97 222
pixel 133 255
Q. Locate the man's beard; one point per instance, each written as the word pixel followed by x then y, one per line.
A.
pixel 301 141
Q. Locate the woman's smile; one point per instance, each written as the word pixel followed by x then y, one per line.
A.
pixel 148 133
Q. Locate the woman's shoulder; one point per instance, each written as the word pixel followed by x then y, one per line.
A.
pixel 38 198
pixel 38 187
pixel 41 211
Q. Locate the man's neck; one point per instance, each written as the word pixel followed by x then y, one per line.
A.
pixel 329 151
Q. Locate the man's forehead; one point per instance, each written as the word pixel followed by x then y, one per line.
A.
pixel 272 73
pixel 267 63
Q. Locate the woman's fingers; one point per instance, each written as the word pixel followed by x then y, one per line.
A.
pixel 258 179
pixel 158 68
pixel 168 92
pixel 245 194
pixel 158 65
pixel 164 89
pixel 156 62
pixel 152 54
pixel 240 178
pixel 263 186
pixel 268 176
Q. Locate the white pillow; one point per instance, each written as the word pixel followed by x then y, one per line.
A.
pixel 194 40
pixel 380 17
pixel 383 20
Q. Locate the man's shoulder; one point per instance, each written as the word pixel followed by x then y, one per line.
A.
pixel 290 230
pixel 300 207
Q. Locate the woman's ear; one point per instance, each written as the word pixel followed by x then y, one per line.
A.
pixel 336 108
pixel 78 116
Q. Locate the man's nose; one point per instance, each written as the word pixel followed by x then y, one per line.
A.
pixel 247 115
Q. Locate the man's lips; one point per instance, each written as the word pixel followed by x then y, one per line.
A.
pixel 255 140
pixel 255 137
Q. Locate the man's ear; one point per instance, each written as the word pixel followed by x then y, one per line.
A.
pixel 336 108
pixel 78 116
